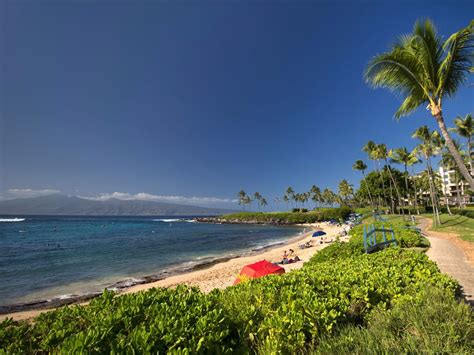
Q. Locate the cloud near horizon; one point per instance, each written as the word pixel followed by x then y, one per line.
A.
pixel 28 193
pixel 142 196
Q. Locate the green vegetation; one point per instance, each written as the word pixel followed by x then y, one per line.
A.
pixel 319 215
pixel 432 324
pixel 395 299
pixel 461 225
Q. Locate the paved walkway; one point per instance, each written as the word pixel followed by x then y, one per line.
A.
pixel 451 259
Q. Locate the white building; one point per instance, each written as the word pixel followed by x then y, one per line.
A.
pixel 451 189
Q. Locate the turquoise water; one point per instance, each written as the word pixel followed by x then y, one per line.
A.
pixel 65 257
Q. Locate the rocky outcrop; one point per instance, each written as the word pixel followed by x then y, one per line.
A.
pixel 221 220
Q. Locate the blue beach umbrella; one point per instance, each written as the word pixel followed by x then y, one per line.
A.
pixel 318 233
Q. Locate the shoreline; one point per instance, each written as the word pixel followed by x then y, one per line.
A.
pixel 218 273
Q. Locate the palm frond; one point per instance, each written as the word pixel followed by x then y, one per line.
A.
pixel 400 72
pixel 457 63
pixel 426 47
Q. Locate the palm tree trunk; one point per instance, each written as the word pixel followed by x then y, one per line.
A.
pixel 458 195
pixel 396 187
pixel 469 152
pixel 416 192
pixel 383 184
pixel 454 152
pixel 433 193
pixel 446 199
pixel 368 190
pixel 408 192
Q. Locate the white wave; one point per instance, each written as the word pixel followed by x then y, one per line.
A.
pixel 12 219
pixel 168 220
pixel 266 246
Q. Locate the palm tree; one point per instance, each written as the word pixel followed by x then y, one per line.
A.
pixel 372 152
pixel 258 197
pixel 424 69
pixel 465 128
pixel 361 166
pixel 286 200
pixel 327 196
pixel 345 191
pixel 315 195
pixel 242 197
pixel 403 156
pixel 264 202
pixel 385 154
pixel 290 193
pixel 430 145
pixel 414 160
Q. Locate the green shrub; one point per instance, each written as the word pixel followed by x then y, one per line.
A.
pixel 463 212
pixel 434 323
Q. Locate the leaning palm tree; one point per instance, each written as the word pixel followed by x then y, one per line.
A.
pixel 424 69
pixel 430 146
pixel 465 128
pixel 359 165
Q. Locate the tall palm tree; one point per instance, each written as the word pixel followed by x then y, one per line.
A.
pixel 345 191
pixel 264 202
pixel 406 158
pixel 315 195
pixel 328 196
pixel 242 198
pixel 258 197
pixel 430 146
pixel 372 152
pixel 291 195
pixel 286 200
pixel 414 160
pixel 359 165
pixel 465 128
pixel 424 69
pixel 385 154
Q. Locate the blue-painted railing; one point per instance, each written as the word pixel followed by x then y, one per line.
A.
pixel 370 238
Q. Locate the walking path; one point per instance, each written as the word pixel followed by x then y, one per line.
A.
pixel 450 257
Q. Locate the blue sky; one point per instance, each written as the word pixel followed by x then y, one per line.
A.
pixel 200 99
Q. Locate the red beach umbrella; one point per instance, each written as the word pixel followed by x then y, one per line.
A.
pixel 259 269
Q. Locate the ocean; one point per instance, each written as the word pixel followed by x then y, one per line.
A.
pixel 49 260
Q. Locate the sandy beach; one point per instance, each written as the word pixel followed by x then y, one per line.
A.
pixel 223 274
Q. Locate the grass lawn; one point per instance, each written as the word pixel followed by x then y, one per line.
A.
pixel 461 225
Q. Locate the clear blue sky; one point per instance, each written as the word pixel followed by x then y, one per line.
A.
pixel 200 98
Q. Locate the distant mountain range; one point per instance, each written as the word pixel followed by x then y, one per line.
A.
pixel 61 205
